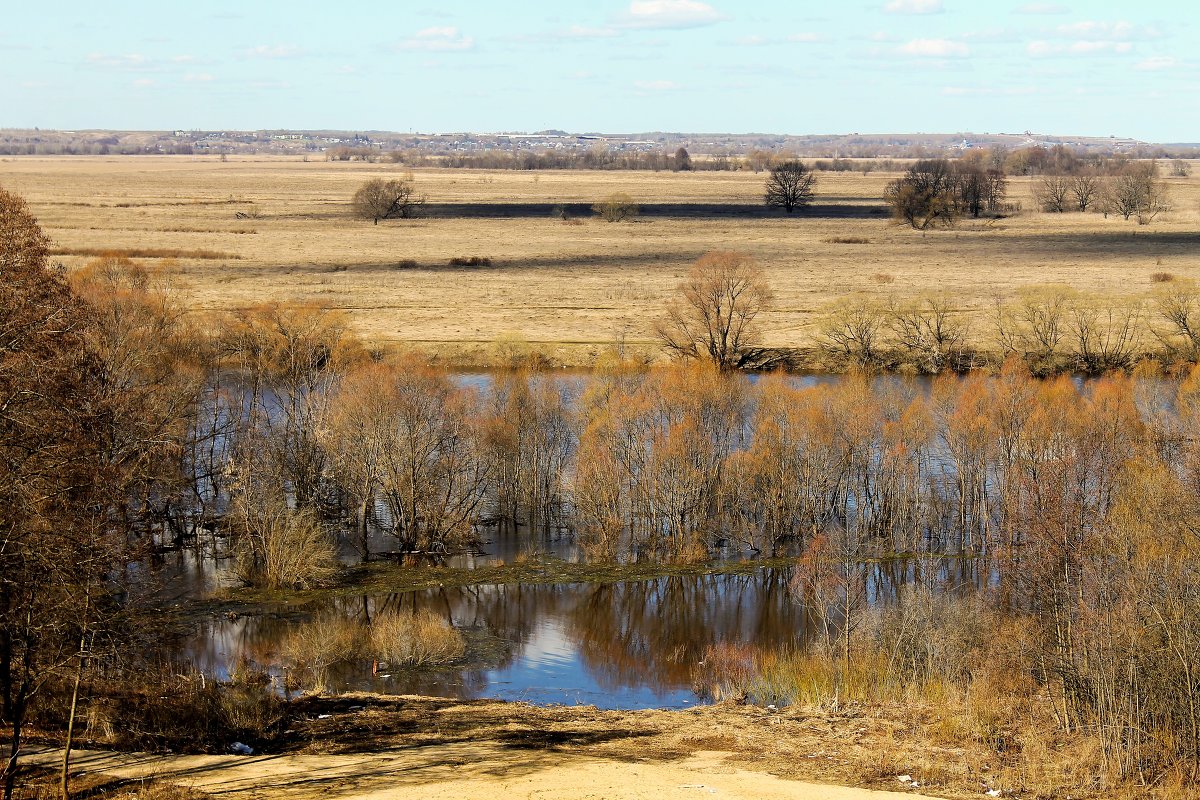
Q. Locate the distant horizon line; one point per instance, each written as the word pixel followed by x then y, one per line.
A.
pixel 559 132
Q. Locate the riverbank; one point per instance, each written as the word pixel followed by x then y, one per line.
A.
pixel 372 746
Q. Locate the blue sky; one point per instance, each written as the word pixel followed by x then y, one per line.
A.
pixel 1071 67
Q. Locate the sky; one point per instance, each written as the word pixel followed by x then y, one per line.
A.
pixel 1095 68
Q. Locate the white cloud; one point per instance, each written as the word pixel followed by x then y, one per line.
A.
pixel 1043 8
pixel 437 40
pixel 914 7
pixel 669 14
pixel 198 77
pixel 1156 63
pixel 934 48
pixel 1106 31
pixel 1083 48
pixel 273 51
pixel 805 37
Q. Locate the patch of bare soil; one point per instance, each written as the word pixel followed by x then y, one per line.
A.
pixel 361 746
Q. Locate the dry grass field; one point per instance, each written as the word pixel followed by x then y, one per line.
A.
pixel 241 232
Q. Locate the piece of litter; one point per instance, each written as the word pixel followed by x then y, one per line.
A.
pixel 993 793
pixel 240 749
pixel 904 778
pixel 324 716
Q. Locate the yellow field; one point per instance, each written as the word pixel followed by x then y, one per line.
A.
pixel 568 288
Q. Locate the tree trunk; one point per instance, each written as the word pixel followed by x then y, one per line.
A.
pixel 65 781
pixel 80 665
pixel 14 751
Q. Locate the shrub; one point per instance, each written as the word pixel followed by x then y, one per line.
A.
pixel 278 547
pixel 312 647
pixel 847 240
pixel 406 263
pixel 883 277
pixel 470 261
pixel 616 208
pixel 416 639
pixel 1161 277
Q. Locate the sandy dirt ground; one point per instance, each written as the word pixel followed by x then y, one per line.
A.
pixel 463 771
pixel 373 746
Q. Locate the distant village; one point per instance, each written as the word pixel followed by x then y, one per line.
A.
pixel 360 144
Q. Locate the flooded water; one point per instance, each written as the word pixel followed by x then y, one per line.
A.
pixel 625 645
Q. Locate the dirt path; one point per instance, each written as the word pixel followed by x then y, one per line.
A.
pixel 462 771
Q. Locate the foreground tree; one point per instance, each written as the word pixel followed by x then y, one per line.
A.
pixel 65 481
pixel 716 317
pixel 790 185
pixel 387 199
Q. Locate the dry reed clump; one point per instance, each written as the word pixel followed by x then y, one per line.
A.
pixel 883 277
pixel 281 548
pixel 143 252
pixel 470 261
pixel 1161 277
pixel 312 647
pixel 417 639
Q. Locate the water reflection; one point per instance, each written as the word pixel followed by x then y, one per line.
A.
pixel 622 645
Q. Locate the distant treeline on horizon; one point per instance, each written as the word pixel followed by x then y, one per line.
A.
pixel 532 150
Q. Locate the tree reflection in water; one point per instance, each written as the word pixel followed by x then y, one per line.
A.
pixel 619 645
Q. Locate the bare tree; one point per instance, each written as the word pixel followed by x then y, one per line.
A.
pixel 1106 332
pixel 791 185
pixel 852 329
pixel 722 297
pixel 1137 193
pixel 928 329
pixel 387 199
pixel 1085 187
pixel 1178 304
pixel 925 195
pixel 1034 326
pixel 1052 192
pixel 1180 168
